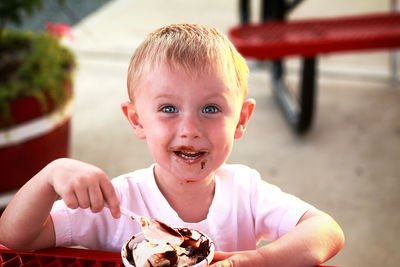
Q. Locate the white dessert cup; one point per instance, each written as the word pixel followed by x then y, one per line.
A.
pixel 140 237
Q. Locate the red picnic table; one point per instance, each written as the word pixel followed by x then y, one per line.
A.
pixel 71 257
pixel 275 38
pixel 62 257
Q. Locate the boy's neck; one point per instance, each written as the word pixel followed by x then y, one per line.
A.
pixel 183 196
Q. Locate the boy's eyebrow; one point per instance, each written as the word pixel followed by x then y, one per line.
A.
pixel 214 95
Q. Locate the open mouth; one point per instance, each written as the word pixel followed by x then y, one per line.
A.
pixel 189 155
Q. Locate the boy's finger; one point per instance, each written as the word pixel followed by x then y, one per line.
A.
pixel 219 256
pixel 225 263
pixel 71 202
pixel 96 198
pixel 221 259
pixel 82 196
pixel 70 199
pixel 110 197
pixel 115 210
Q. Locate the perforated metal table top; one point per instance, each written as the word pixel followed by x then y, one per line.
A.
pixel 59 257
pixel 308 37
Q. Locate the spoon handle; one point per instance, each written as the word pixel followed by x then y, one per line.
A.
pixel 130 214
pixel 153 229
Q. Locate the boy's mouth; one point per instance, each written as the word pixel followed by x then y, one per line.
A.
pixel 189 155
pixel 188 152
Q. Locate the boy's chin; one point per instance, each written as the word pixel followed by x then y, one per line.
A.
pixel 194 176
pixel 188 174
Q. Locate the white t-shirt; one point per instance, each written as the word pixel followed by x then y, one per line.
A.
pixel 244 209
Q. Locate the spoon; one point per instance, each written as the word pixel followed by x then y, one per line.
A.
pixel 154 230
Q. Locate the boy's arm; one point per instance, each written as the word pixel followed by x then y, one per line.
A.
pixel 26 223
pixel 315 239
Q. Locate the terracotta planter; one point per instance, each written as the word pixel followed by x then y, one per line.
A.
pixel 38 138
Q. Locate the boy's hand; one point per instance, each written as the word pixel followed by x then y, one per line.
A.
pixel 83 185
pixel 315 239
pixel 249 258
pixel 78 184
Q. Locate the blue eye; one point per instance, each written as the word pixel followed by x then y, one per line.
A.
pixel 169 109
pixel 210 109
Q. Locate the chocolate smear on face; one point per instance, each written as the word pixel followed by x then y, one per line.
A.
pixel 203 164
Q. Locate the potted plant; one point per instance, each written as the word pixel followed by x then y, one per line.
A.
pixel 36 73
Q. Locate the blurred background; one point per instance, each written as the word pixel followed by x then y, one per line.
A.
pixel 347 164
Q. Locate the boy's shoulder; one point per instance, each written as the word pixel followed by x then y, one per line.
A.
pixel 237 169
pixel 238 174
pixel 243 176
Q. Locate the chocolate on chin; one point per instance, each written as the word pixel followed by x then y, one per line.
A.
pixel 195 250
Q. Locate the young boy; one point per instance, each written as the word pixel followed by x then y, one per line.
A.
pixel 187 86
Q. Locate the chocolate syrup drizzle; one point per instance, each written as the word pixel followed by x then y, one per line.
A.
pixel 168 229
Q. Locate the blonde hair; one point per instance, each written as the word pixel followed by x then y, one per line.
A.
pixel 188 47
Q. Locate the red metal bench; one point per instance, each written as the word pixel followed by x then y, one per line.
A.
pixel 69 257
pixel 61 257
pixel 309 38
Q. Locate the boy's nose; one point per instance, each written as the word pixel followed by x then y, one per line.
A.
pixel 190 128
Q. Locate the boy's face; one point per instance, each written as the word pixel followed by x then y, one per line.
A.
pixel 189 123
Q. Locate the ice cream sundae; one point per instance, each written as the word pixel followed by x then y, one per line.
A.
pixel 192 248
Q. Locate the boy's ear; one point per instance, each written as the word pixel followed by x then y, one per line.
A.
pixel 245 114
pixel 131 114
